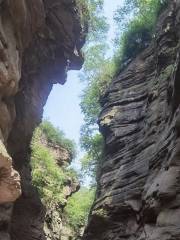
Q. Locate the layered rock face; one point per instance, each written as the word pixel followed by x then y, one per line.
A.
pixel 39 42
pixel 138 193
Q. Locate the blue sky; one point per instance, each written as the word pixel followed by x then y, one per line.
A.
pixel 62 107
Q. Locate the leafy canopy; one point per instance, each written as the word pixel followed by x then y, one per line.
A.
pixel 136 21
pixel 78 208
pixel 56 136
pixel 95 50
pixel 92 13
pixel 47 176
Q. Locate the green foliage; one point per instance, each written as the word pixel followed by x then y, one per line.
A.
pixel 145 10
pixel 95 88
pixel 72 173
pixel 94 57
pixel 133 41
pixel 56 136
pixel 91 140
pixel 137 18
pixel 78 208
pixel 50 179
pixel 47 176
pixel 92 13
pixel 96 79
pixel 93 144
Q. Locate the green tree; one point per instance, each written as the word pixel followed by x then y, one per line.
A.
pixel 78 208
pixel 91 139
pixel 92 76
pixel 56 136
pixel 143 10
pixel 136 20
pixel 93 19
pixel 94 148
pixel 47 176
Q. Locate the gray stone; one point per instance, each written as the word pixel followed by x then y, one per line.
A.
pixel 139 181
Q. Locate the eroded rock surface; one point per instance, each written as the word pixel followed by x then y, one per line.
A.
pixel 10 188
pixel 39 42
pixel 138 193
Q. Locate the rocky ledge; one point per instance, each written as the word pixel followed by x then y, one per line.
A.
pixel 138 194
pixel 40 40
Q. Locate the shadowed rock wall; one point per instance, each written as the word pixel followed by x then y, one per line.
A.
pixel 39 42
pixel 138 193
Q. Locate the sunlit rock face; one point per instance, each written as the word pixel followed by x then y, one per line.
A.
pixel 39 42
pixel 138 193
pixel 10 181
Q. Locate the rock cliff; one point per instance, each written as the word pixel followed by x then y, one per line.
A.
pixel 138 194
pixel 39 41
pixel 59 158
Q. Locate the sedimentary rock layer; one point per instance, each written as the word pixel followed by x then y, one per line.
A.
pixel 39 42
pixel 138 193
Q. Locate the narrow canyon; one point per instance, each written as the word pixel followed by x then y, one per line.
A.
pixel 138 182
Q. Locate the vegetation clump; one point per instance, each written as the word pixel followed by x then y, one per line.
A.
pixel 50 179
pixel 78 208
pixel 92 18
pixel 56 136
pixel 137 18
pixel 47 176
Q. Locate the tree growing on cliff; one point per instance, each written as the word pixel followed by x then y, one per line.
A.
pixel 47 176
pixel 78 208
pixel 95 50
pixel 56 136
pixel 136 20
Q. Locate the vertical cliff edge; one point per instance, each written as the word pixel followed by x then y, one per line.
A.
pixel 138 194
pixel 40 40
